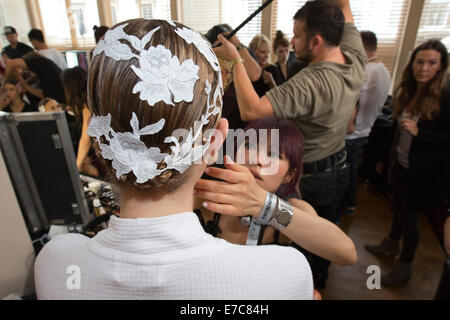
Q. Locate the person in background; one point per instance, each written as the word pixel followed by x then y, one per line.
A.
pixel 51 105
pixel 48 73
pixel 75 88
pixel 37 40
pixel 374 93
pixel 260 45
pixel 443 289
pixel 15 49
pixel 419 161
pixel 259 158
pixel 14 93
pixel 230 110
pixel 319 99
pixel 281 49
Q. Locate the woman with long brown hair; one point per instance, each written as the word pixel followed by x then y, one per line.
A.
pixel 420 153
pixel 75 89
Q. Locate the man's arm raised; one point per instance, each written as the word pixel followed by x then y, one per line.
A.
pixel 251 107
pixel 346 10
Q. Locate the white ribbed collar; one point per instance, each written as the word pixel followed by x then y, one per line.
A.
pixel 124 238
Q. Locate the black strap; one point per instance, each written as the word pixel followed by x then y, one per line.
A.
pixel 212 227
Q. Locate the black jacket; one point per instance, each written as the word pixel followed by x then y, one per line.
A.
pixel 429 158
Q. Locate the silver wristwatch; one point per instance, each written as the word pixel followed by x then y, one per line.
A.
pixel 282 216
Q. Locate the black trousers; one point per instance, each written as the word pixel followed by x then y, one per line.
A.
pixel 324 191
pixel 405 220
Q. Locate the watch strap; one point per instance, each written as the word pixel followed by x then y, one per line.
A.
pixel 283 208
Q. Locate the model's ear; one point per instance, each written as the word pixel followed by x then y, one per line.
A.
pixel 289 176
pixel 217 139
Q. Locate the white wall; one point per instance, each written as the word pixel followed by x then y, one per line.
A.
pixel 16 251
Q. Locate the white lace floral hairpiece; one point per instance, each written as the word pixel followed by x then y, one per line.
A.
pixel 162 75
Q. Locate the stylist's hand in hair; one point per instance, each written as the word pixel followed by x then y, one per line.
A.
pixel 238 195
pixel 227 50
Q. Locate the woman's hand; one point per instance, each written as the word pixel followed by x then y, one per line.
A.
pixel 268 79
pixel 237 195
pixel 410 126
pixel 379 167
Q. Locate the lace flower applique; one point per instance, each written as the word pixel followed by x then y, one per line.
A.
pixel 126 150
pixel 185 154
pixel 191 36
pixel 163 75
pixel 163 78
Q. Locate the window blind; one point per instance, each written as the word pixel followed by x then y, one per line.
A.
pixel 58 16
pixel 202 15
pixel 122 10
pixel 435 22
pixel 55 22
pixel 14 13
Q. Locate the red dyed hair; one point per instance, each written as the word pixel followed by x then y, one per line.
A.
pixel 291 145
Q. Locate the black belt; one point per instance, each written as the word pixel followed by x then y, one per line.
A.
pixel 325 164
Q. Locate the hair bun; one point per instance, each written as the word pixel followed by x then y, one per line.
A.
pixel 279 34
pixel 95 28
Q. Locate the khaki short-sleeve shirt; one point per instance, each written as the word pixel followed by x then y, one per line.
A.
pixel 321 97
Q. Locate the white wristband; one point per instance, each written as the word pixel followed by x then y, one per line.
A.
pixel 268 209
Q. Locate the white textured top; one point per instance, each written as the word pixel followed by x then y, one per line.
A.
pixel 54 55
pixel 167 258
pixel 374 93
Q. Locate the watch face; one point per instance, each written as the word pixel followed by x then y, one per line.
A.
pixel 284 217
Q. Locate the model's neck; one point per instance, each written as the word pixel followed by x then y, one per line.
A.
pixel 145 203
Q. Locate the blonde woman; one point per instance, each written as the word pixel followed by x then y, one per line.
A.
pixel 260 46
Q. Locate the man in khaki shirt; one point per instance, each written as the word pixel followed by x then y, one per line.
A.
pixel 319 99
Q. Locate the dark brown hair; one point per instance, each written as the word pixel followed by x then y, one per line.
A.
pixel 427 104
pixel 110 91
pixel 369 40
pixel 75 89
pixel 12 80
pixel 280 40
pixel 322 17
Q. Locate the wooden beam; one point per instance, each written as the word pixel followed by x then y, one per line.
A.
pixel 73 31
pixel 104 12
pixel 266 20
pixel 408 40
pixel 174 10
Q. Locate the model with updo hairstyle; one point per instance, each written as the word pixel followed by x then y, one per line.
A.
pixel 149 80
